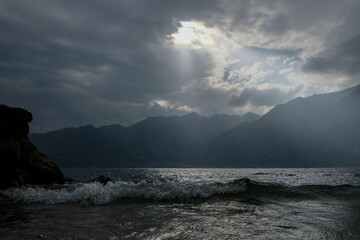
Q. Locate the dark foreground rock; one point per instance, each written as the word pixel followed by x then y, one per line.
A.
pixel 20 161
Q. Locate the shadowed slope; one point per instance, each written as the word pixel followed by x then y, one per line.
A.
pixel 318 131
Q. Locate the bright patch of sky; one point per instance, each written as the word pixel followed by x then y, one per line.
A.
pixel 239 66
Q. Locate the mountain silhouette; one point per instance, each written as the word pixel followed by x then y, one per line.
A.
pixel 318 131
pixel 154 142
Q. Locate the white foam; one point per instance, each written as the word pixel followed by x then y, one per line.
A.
pixel 98 194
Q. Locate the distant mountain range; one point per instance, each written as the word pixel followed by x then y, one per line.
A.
pixel 154 142
pixel 317 131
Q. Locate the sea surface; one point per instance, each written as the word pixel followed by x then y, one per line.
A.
pixel 187 204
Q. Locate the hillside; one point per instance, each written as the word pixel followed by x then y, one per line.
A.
pixel 317 131
pixel 154 142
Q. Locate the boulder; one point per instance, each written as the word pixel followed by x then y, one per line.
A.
pixel 20 161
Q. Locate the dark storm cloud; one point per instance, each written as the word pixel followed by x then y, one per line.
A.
pixel 66 56
pixel 276 25
pixel 346 58
pixel 279 16
pixel 256 97
pixel 342 49
pixel 104 62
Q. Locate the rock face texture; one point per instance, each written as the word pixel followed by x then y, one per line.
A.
pixel 20 161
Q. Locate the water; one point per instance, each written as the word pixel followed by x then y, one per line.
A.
pixel 188 204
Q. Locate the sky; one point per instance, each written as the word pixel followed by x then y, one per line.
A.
pixel 106 62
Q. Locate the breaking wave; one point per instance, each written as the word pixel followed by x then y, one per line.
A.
pixel 96 193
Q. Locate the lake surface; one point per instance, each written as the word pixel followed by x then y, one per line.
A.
pixel 188 204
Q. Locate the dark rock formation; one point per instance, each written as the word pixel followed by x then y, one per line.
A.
pixel 20 161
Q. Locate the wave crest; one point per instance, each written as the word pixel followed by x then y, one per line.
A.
pixel 98 194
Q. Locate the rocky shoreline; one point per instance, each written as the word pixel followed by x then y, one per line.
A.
pixel 20 161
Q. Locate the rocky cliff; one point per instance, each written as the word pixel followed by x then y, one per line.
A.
pixel 20 161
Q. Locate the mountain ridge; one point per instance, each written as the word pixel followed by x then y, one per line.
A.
pixel 305 132
pixel 150 142
pixel 317 131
